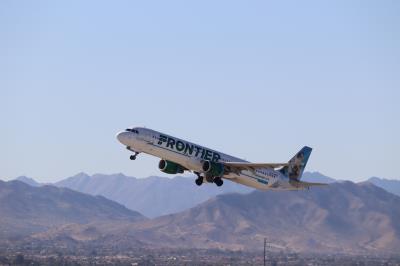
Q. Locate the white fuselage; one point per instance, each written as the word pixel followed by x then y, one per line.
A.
pixel 192 156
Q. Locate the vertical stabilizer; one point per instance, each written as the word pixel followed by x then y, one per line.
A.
pixel 297 164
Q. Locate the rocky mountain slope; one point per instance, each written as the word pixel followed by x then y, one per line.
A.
pixel 25 209
pixel 152 196
pixel 341 218
pixel 393 186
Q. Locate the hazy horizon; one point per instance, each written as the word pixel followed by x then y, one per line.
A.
pixel 184 175
pixel 257 80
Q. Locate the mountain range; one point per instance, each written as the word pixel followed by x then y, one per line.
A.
pixel 26 209
pixel 30 181
pixel 152 196
pixel 157 196
pixel 392 186
pixel 317 177
pixel 343 217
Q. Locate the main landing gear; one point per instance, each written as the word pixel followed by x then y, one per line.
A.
pixel 132 157
pixel 218 181
pixel 200 180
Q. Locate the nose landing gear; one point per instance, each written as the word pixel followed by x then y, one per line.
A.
pixel 132 157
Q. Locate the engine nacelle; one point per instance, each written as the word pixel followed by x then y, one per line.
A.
pixel 170 167
pixel 213 169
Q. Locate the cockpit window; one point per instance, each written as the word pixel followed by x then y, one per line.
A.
pixel 132 130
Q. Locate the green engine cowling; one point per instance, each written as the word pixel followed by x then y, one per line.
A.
pixel 213 169
pixel 170 167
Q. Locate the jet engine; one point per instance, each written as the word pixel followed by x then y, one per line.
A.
pixel 170 167
pixel 213 169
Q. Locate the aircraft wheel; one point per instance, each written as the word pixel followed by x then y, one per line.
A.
pixel 218 181
pixel 132 157
pixel 199 181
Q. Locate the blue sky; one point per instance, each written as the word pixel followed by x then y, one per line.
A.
pixel 256 79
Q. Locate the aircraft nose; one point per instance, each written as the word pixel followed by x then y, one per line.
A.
pixel 123 137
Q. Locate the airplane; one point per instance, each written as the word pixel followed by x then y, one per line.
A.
pixel 210 166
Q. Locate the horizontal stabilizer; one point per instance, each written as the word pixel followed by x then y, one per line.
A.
pixel 302 184
pixel 253 166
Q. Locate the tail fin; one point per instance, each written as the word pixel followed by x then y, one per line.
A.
pixel 297 164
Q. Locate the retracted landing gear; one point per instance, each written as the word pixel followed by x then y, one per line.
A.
pixel 199 180
pixel 132 157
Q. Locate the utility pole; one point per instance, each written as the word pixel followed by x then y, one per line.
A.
pixel 265 246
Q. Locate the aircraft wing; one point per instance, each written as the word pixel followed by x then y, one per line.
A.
pixel 238 166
